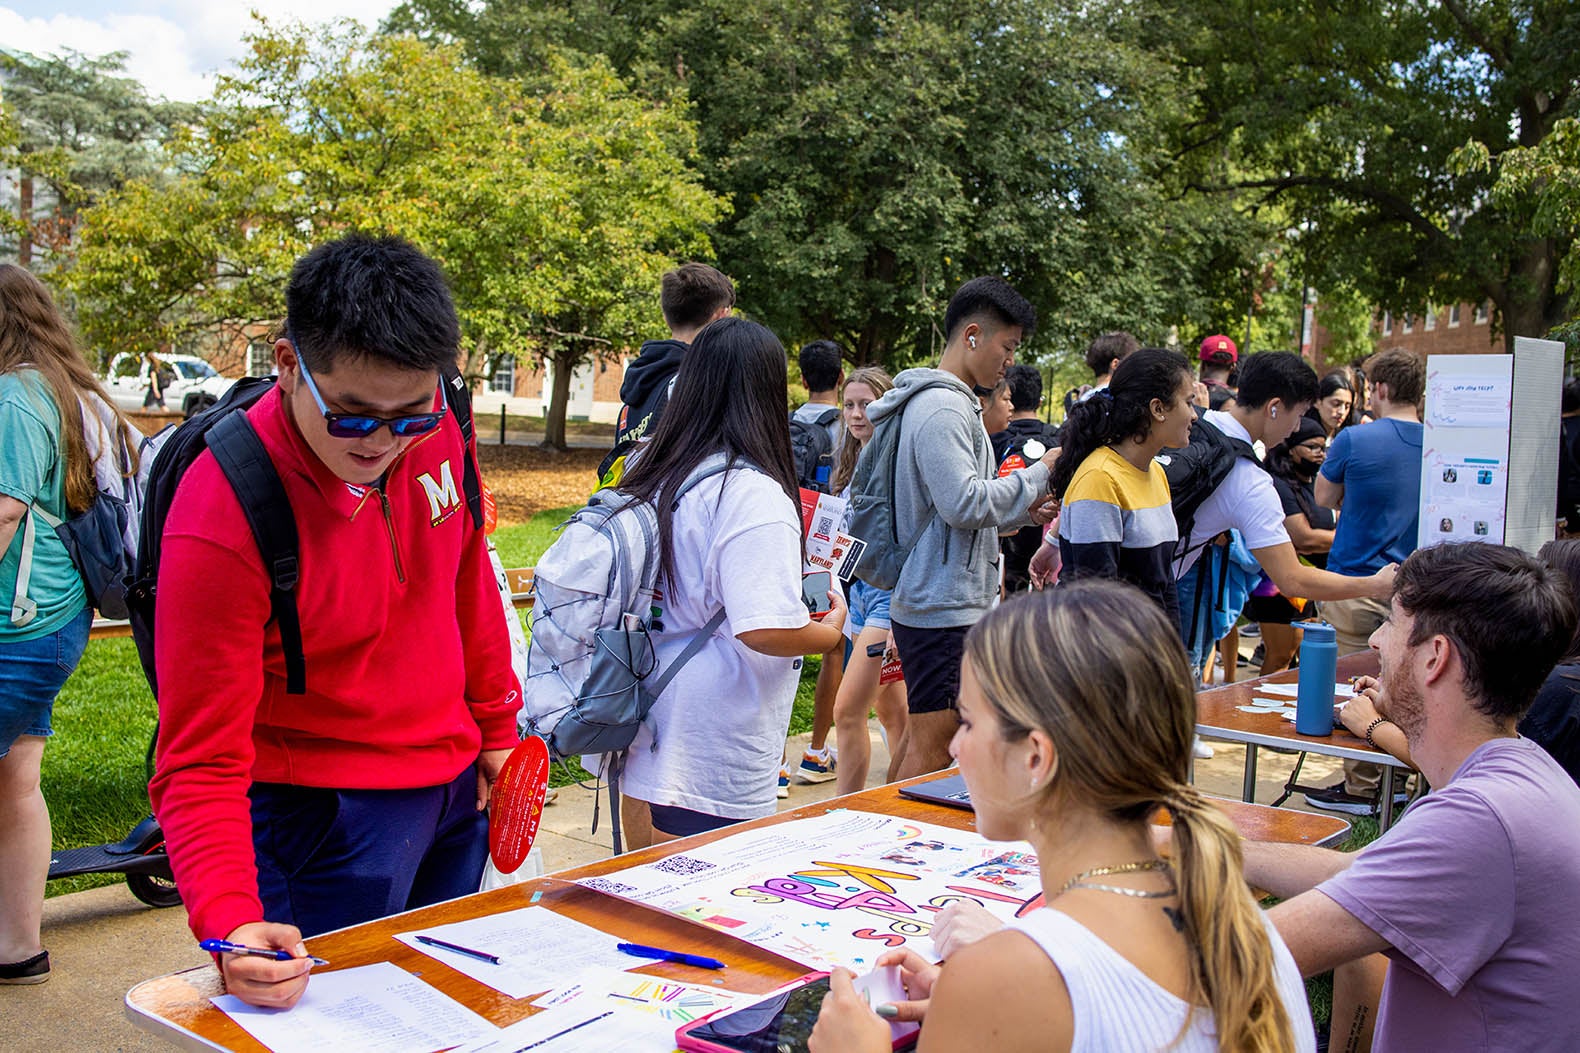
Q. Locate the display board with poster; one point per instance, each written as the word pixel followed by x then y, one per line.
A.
pixel 1489 470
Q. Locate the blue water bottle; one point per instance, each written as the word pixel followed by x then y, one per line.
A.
pixel 1319 666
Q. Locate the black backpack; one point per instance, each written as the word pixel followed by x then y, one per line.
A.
pixel 814 450
pixel 224 429
pixel 1194 472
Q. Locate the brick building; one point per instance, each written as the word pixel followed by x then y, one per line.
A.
pixel 1460 329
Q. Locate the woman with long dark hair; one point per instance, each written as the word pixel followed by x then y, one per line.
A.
pixel 1293 465
pixel 1117 522
pixel 709 753
pixel 45 465
pixel 1335 405
pixel 1131 951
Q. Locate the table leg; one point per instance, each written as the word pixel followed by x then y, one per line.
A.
pixel 1385 802
pixel 1248 787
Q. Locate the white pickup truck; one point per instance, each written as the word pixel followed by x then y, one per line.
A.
pixel 196 386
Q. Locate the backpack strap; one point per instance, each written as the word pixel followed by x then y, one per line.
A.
pixel 252 475
pixel 459 398
pixel 828 416
pixel 23 607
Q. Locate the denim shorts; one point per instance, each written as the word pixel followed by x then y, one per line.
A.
pixel 31 675
pixel 869 608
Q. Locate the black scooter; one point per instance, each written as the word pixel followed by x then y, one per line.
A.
pixel 140 855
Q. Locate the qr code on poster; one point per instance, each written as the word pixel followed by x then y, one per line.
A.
pixel 682 865
pixel 614 888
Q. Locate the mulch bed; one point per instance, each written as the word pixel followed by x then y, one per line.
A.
pixel 527 479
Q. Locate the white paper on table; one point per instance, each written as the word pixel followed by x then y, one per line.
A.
pixel 1291 690
pixel 670 1000
pixel 537 949
pixel 374 1008
pixel 586 1027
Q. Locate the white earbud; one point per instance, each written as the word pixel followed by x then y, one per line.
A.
pixel 971 340
pixel 1273 413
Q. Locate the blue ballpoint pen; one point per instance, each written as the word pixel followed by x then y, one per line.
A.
pixel 226 947
pixel 637 950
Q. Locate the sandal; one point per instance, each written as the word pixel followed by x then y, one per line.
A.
pixel 34 970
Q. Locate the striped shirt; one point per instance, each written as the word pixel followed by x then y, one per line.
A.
pixel 1117 523
pixel 1116 1006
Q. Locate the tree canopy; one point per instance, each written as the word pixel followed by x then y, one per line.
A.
pixel 553 211
pixel 1351 117
pixel 877 155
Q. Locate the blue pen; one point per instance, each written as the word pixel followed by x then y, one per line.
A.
pixel 226 947
pixel 639 951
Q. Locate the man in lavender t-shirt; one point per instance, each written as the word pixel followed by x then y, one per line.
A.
pixel 1471 895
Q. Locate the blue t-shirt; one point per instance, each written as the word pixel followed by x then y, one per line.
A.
pixel 30 472
pixel 1379 466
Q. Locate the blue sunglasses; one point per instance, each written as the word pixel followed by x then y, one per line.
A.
pixel 361 425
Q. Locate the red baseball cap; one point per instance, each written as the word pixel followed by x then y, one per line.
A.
pixel 1219 349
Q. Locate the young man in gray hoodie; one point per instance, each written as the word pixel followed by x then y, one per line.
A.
pixel 950 507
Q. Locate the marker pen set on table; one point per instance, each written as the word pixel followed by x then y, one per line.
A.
pixel 636 950
pixel 272 953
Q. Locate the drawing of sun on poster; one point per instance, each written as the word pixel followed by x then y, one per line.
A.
pixel 837 889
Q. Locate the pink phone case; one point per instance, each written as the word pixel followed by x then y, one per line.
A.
pixel 687 1041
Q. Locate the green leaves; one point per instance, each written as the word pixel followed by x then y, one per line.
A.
pixel 553 207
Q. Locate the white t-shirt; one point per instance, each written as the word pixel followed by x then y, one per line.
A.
pixel 1246 501
pixel 714 741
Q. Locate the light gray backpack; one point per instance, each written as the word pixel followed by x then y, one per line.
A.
pixel 592 672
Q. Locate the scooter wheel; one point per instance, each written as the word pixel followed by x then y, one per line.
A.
pixel 154 890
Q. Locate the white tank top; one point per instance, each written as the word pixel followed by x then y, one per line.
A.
pixel 1118 1007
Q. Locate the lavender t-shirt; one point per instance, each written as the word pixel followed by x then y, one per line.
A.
pixel 1475 890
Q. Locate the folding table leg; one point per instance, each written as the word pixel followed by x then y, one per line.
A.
pixel 1385 800
pixel 1248 787
pixel 1293 782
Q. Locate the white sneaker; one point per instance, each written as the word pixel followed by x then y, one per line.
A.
pixel 1200 750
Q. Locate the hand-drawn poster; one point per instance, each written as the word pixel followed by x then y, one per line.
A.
pixel 836 889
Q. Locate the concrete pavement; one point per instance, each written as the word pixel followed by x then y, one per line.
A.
pixel 102 942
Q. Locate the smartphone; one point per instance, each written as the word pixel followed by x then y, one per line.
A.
pixel 814 592
pixel 780 1023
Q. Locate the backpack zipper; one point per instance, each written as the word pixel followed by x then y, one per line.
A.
pixel 389 527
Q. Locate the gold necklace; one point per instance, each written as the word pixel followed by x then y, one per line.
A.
pixel 1079 880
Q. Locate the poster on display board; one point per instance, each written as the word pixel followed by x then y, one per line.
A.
pixel 1489 468
pixel 1465 448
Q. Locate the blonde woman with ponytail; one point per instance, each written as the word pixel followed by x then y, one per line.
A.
pixel 1077 711
pixel 44 615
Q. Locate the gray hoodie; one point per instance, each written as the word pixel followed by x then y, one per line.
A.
pixel 945 463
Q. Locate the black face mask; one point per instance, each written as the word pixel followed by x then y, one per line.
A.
pixel 1305 469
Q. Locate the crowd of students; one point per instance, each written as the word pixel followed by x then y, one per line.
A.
pixel 1069 711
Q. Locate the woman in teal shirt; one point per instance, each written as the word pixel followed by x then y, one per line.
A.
pixel 44 614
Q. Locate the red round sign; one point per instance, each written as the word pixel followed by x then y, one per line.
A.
pixel 516 804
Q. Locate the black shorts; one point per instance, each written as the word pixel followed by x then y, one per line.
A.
pixel 930 659
pixel 1272 610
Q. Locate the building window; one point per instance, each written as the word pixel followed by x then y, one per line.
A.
pixel 1387 323
pixel 260 358
pixel 1431 318
pixel 503 380
pixel 1453 317
pixel 1409 322
pixel 1481 312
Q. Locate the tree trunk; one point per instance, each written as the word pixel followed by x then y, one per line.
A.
pixel 565 362
pixel 1532 305
pixel 24 244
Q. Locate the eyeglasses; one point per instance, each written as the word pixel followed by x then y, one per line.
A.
pixel 361 425
pixel 1310 447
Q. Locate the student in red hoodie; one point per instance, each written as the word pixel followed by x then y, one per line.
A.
pixel 289 815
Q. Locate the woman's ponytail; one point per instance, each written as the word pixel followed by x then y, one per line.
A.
pixel 1088 425
pixel 1232 967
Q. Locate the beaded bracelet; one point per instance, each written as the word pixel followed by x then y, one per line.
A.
pixel 1371 728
